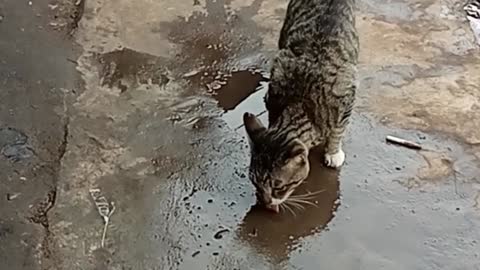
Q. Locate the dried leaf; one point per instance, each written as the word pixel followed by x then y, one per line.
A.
pixel 104 208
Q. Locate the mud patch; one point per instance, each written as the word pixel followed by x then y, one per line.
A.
pixel 126 68
pixel 391 11
pixel 239 87
pixel 14 145
pixel 236 92
pixel 66 14
pixel 199 34
pixel 5 230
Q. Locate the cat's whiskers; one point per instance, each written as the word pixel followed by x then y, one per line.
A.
pixel 295 205
pixel 285 206
pixel 301 201
pixel 307 195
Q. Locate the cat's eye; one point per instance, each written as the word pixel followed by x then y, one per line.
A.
pixel 277 183
pixel 279 193
pixel 281 189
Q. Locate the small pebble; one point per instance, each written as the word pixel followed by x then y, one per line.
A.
pixel 12 196
pixel 196 253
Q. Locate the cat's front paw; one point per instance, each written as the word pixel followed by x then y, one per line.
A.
pixel 335 160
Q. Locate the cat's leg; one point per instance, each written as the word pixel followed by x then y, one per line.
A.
pixel 334 155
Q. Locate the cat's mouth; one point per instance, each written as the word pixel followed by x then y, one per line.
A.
pixel 273 207
pixel 275 204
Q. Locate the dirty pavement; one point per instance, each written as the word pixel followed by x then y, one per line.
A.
pixel 142 102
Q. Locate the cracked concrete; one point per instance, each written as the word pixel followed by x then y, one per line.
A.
pixel 156 125
pixel 35 79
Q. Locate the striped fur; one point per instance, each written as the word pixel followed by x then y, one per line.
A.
pixel 310 98
pixel 472 9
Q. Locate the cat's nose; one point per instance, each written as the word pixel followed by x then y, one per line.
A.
pixel 264 198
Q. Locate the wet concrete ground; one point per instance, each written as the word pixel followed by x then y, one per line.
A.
pixel 36 79
pixel 156 126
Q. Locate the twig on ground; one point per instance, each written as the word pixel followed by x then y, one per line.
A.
pixel 402 142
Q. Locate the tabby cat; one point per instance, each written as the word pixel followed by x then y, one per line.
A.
pixel 309 100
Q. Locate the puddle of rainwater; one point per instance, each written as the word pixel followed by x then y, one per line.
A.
pixel 275 233
pixel 125 68
pixel 243 92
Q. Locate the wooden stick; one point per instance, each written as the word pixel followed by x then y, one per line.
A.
pixel 405 143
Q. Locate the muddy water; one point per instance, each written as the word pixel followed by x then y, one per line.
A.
pixel 277 235
pixel 243 92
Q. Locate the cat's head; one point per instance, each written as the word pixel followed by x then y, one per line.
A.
pixel 277 166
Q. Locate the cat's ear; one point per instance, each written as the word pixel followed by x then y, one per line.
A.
pixel 298 154
pixel 253 126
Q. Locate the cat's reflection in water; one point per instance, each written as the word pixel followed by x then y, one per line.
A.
pixel 272 234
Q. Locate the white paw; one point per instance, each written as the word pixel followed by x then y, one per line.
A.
pixel 336 160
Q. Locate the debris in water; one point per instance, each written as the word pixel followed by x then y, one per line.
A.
pixel 13 196
pixel 195 253
pixel 191 73
pixel 105 209
pixel 402 142
pixel 17 152
pixel 254 233
pixel 219 234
